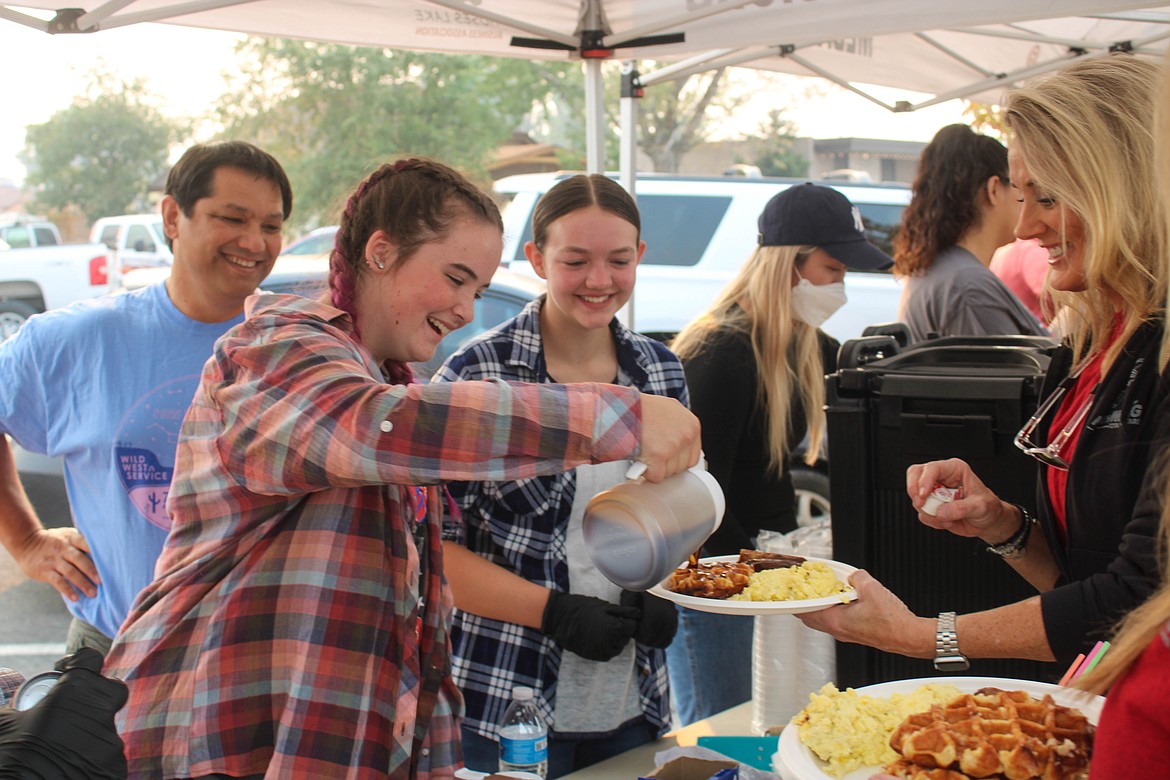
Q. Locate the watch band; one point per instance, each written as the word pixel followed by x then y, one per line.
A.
pixel 947 657
pixel 1019 540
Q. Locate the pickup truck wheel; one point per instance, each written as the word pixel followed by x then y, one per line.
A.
pixel 812 496
pixel 13 314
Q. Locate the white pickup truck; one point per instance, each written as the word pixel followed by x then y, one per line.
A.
pixel 40 278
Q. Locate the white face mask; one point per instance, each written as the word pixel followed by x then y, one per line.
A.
pixel 815 303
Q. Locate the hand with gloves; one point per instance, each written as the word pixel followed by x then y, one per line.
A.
pixel 70 733
pixel 588 626
pixel 659 621
pixel 597 630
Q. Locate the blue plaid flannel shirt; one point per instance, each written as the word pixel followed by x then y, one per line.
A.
pixel 522 526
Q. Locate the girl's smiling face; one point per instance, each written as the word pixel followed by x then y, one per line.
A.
pixel 406 308
pixel 589 260
pixel 1057 228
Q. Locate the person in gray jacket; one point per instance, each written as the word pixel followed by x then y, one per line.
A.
pixel 962 210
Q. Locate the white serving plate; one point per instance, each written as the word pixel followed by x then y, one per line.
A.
pixel 794 761
pixel 725 607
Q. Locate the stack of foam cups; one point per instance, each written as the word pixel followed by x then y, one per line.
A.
pixel 789 660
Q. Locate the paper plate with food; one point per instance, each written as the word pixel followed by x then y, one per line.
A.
pixel 758 583
pixel 971 726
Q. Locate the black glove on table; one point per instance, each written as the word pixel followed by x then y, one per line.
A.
pixel 659 621
pixel 69 734
pixel 588 626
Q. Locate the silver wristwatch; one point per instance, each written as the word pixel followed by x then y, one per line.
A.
pixel 947 657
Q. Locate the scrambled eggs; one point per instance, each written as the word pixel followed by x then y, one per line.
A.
pixel 809 580
pixel 850 730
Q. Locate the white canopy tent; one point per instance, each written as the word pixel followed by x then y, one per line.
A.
pixel 944 48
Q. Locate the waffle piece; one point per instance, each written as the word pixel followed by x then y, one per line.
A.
pixel 911 771
pixel 994 734
pixel 760 561
pixel 710 580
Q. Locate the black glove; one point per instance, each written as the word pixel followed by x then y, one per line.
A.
pixel 588 626
pixel 659 621
pixel 69 734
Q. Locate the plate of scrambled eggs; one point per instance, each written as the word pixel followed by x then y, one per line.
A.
pixel 844 735
pixel 815 584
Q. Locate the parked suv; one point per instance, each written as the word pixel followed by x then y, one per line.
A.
pixel 699 230
pixel 315 242
pixel 138 239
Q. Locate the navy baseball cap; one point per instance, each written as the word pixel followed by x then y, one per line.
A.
pixel 812 215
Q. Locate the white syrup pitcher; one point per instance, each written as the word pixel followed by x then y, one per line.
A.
pixel 638 532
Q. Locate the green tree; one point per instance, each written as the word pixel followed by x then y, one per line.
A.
pixel 985 118
pixel 101 153
pixel 676 116
pixel 331 113
pixel 776 154
pixel 561 117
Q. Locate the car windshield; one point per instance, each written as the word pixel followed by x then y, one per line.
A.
pixel 316 244
pixel 157 229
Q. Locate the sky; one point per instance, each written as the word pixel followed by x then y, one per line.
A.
pixel 183 66
pixel 186 66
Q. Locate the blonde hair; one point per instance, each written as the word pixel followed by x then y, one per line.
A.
pixel 1139 627
pixel 758 303
pixel 1085 133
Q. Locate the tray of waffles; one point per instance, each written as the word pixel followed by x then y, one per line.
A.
pixel 997 728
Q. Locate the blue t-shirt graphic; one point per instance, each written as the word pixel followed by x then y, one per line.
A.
pixel 144 447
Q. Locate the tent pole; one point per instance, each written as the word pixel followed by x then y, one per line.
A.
pixel 591 22
pixel 168 12
pixel 631 93
pixel 594 118
pixel 839 81
pixel 24 19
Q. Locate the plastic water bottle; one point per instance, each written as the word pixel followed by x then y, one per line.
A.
pixel 523 736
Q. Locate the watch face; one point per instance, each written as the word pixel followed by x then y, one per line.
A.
pixel 952 663
pixel 34 689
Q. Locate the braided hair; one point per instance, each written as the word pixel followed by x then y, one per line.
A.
pixel 414 201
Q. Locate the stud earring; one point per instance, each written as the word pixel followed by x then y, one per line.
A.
pixel 380 264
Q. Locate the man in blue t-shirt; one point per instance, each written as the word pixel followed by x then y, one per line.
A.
pixel 105 383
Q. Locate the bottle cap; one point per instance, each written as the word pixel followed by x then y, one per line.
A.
pixel 941 494
pixel 34 689
pixel 522 693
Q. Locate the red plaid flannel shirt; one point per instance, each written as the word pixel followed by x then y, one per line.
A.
pixel 281 634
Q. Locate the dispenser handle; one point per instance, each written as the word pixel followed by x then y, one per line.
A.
pixel 638 468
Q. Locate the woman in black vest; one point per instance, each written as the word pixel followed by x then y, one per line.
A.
pixel 1081 159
